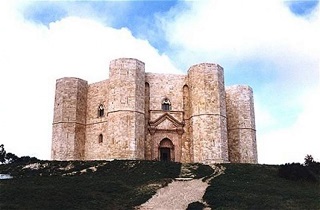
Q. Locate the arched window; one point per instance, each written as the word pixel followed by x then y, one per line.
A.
pixel 166 105
pixel 100 110
pixel 100 139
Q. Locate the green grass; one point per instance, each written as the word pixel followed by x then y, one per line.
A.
pixel 116 185
pixel 248 186
pixel 126 184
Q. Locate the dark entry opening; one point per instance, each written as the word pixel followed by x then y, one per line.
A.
pixel 165 154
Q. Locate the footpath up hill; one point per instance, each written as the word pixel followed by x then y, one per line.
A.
pixel 129 184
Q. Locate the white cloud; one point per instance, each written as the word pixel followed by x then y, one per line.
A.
pixel 238 30
pixel 282 51
pixel 293 143
pixel 33 56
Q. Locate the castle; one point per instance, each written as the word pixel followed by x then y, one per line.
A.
pixel 138 115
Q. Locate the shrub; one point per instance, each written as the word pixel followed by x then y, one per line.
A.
pixel 296 172
pixel 308 160
pixel 196 206
pixel 312 165
pixel 2 153
pixel 11 157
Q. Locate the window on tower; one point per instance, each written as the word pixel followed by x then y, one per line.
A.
pixel 101 110
pixel 100 138
pixel 166 105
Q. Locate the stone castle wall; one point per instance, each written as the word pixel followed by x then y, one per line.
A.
pixel 97 94
pixel 241 124
pixel 203 122
pixel 162 87
pixel 126 109
pixel 208 113
pixel 69 122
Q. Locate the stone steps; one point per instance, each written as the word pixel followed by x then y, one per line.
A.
pixel 185 172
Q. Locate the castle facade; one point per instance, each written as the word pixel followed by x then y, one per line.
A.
pixel 138 115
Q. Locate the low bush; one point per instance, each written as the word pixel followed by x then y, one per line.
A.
pixel 296 172
pixel 196 206
pixel 312 165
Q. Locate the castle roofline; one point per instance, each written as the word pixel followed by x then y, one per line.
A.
pixel 127 60
pixel 69 78
pixel 239 87
pixel 204 66
pixel 165 74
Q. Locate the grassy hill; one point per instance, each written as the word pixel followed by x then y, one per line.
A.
pixel 125 184
pixel 247 186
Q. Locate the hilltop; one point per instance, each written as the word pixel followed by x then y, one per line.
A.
pixel 127 184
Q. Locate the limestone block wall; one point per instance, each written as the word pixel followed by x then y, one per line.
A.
pixel 148 144
pixel 186 143
pixel 96 125
pixel 166 86
pixel 69 121
pixel 241 124
pixel 208 113
pixel 121 139
pixel 126 107
pixel 163 86
pixel 206 122
pixel 139 140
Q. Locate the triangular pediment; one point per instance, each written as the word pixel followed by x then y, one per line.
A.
pixel 166 122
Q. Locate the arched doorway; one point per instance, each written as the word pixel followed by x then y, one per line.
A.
pixel 166 152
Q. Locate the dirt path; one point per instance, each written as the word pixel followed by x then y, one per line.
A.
pixel 179 194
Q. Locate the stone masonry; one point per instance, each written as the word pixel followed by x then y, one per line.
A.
pixel 138 115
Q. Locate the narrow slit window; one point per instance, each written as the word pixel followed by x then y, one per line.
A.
pixel 101 110
pixel 100 139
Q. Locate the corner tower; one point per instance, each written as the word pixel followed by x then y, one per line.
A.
pixel 69 119
pixel 241 124
pixel 208 113
pixel 126 108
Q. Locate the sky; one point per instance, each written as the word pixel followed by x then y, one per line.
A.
pixel 272 46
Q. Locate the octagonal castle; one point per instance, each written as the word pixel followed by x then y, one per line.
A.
pixel 138 115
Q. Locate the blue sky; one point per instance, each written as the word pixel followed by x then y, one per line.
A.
pixel 270 45
pixel 302 8
pixel 138 16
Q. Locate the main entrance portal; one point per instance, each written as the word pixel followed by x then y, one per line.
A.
pixel 166 150
pixel 165 154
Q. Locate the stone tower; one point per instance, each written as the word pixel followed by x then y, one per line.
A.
pixel 241 124
pixel 126 108
pixel 208 113
pixel 69 123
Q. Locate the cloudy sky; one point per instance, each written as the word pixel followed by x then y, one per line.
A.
pixel 273 46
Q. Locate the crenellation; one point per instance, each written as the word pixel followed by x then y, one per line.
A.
pixel 138 115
